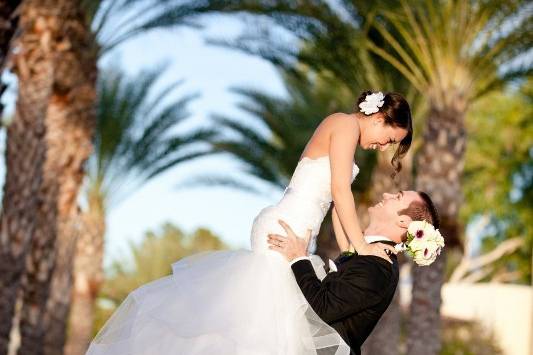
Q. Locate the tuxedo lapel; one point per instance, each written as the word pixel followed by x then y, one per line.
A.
pixel 342 259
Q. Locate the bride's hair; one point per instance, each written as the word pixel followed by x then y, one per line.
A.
pixel 397 113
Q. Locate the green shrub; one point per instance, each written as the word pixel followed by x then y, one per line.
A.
pixel 467 338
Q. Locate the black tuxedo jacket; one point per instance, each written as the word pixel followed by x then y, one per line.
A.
pixel 353 298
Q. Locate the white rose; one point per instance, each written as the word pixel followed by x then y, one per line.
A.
pixel 416 244
pixel 372 103
pixel 425 256
pixel 421 244
pixel 425 242
pixel 438 238
pixel 376 98
pixel 368 108
pixel 415 225
pixel 420 260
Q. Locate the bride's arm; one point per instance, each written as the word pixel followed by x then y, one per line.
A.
pixel 342 239
pixel 342 146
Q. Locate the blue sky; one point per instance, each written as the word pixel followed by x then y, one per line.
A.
pixel 210 71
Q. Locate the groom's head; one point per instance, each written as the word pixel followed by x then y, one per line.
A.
pixel 392 215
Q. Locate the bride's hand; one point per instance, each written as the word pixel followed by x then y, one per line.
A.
pixel 378 249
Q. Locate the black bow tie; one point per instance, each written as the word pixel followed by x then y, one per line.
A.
pixel 345 256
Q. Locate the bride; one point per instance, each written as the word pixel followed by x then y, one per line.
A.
pixel 246 302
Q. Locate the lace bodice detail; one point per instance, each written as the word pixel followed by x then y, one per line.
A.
pixel 304 204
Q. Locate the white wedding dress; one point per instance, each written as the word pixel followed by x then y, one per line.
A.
pixel 237 302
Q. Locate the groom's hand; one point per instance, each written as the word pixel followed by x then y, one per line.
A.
pixel 291 246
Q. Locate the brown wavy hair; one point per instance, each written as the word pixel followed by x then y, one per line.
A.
pixel 397 113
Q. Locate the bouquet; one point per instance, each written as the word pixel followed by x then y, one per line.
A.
pixel 424 242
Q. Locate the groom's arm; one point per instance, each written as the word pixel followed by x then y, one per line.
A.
pixel 343 293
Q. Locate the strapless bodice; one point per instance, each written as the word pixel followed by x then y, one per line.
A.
pixel 304 204
pixel 311 181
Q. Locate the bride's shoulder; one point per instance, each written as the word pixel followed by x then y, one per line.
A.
pixel 341 120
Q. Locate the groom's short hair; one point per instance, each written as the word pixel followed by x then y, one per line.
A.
pixel 422 210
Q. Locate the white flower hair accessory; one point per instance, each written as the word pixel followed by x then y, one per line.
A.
pixel 424 243
pixel 372 103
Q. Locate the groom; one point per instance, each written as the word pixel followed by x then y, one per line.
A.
pixel 354 297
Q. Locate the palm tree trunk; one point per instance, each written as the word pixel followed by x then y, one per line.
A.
pixel 88 279
pixel 69 121
pixel 58 306
pixel 326 245
pixel 381 177
pixel 8 25
pixel 385 338
pixel 424 312
pixel 25 155
pixel 440 166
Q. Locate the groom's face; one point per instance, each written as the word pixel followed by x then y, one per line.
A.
pixel 387 210
pixel 394 202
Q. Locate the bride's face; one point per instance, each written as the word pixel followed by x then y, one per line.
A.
pixel 375 134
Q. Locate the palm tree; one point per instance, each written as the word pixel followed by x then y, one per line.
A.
pixel 55 62
pixel 8 25
pixel 452 52
pixel 488 184
pixel 135 140
pixel 55 95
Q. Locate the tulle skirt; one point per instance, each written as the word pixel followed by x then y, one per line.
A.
pixel 224 302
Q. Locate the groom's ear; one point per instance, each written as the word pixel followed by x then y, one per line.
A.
pixel 403 221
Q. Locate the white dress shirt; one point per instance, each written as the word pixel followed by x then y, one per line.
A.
pixel 368 238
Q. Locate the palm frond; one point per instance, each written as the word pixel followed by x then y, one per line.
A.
pixel 218 181
pixel 116 21
pixel 169 155
pixel 269 146
pixel 423 43
pixel 137 134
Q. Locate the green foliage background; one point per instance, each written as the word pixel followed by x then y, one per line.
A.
pixel 498 179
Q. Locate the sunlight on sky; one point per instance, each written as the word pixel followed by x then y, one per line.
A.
pixel 210 71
